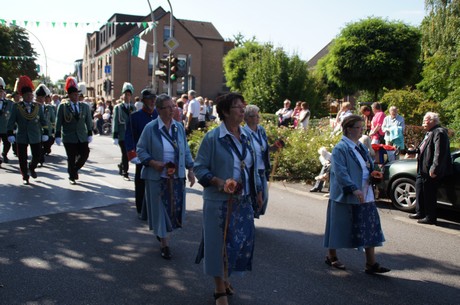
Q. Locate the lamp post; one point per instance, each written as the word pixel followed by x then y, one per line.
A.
pixel 44 53
pixel 154 59
pixel 170 35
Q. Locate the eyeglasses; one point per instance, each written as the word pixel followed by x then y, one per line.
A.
pixel 167 107
pixel 254 116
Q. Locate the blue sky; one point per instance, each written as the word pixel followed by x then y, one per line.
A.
pixel 302 27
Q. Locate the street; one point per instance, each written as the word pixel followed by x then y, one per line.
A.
pixel 83 244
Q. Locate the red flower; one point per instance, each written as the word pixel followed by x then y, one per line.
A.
pixel 170 168
pixel 232 187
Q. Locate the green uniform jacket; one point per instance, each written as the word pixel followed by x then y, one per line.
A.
pixel 120 118
pixel 31 126
pixel 50 115
pixel 5 113
pixel 71 127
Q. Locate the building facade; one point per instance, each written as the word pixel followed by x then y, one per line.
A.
pixel 200 52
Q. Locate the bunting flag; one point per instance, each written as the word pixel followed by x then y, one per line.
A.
pixel 77 24
pixel 17 57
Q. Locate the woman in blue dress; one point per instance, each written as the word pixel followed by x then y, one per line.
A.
pixel 352 217
pixel 165 154
pixel 226 166
pixel 262 149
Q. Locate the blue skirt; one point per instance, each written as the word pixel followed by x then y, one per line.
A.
pixel 239 237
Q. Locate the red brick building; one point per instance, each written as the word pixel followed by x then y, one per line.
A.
pixel 200 50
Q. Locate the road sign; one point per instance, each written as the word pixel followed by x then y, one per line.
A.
pixel 171 43
pixel 107 69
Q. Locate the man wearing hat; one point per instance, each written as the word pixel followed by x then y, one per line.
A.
pixel 74 124
pixel 40 95
pixel 121 114
pixel 50 111
pixel 31 128
pixel 5 112
pixel 134 128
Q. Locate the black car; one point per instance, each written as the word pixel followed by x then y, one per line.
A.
pixel 399 184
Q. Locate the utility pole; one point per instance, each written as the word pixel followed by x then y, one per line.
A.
pixel 154 59
pixel 169 54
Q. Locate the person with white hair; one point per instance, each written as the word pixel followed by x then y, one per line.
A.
pixel 393 126
pixel 434 163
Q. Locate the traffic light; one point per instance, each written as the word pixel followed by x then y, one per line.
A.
pixel 111 85
pixel 104 86
pixel 174 68
pixel 164 68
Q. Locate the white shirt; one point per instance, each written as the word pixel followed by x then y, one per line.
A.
pixel 194 108
pixel 168 149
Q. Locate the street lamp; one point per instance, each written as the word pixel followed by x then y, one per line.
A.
pixel 154 59
pixel 44 53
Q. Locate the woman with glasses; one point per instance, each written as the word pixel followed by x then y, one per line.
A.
pixel 165 154
pixel 352 217
pixel 226 166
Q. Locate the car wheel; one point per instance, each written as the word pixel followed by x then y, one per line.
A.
pixel 402 194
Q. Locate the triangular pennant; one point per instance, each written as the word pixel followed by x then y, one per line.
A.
pixel 76 24
pixel 14 22
pixel 25 22
pixel 64 23
pixel 53 24
pixel 37 23
pixel 144 24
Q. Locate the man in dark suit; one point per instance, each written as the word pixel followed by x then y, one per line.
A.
pixel 434 162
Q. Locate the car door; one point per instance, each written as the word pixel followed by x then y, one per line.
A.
pixel 449 189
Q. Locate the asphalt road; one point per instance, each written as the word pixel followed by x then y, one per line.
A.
pixel 83 244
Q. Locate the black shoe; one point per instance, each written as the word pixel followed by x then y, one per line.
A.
pixel 5 159
pixel 375 268
pixel 166 253
pixel 119 169
pixel 33 174
pixel 25 181
pixel 427 221
pixel 315 190
pixel 40 165
pixel 416 216
pixel 126 177
pixel 72 181
pixel 76 176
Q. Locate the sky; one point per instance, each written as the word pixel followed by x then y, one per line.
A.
pixel 301 27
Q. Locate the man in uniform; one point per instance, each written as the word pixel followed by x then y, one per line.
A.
pixel 5 112
pixel 40 95
pixel 74 124
pixel 50 112
pixel 137 122
pixel 31 128
pixel 121 114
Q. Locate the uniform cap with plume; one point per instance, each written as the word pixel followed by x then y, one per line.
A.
pixel 127 87
pixel 82 88
pixel 23 85
pixel 42 90
pixel 2 83
pixel 71 85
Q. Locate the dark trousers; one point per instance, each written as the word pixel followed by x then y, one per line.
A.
pixel 139 188
pixel 6 143
pixel 426 189
pixel 46 149
pixel 320 183
pixel 124 158
pixel 77 154
pixel 22 156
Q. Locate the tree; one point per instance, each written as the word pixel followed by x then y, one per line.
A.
pixel 14 41
pixel 441 56
pixel 373 54
pixel 266 76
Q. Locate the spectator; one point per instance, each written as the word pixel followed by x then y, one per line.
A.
pixel 325 159
pixel 376 132
pixel 366 114
pixel 352 217
pixel 304 117
pixel 296 113
pixel 193 112
pixel 434 162
pixel 344 111
pixel 284 114
pixel 393 126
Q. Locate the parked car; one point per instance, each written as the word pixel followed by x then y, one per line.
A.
pixel 399 184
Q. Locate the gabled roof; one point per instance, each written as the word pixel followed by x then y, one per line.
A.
pixel 323 52
pixel 201 29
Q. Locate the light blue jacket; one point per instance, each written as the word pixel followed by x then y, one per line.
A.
pixel 346 173
pixel 215 159
pixel 150 147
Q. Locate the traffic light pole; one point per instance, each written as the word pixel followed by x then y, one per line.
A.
pixel 169 53
pixel 154 59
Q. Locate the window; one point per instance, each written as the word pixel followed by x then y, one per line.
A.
pixel 166 32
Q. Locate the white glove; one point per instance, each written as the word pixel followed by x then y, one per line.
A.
pixel 135 160
pixel 115 141
pixel 90 139
pixel 11 139
pixel 58 141
pixel 45 138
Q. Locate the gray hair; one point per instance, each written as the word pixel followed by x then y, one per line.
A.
pixel 433 116
pixel 161 99
pixel 192 93
pixel 250 110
